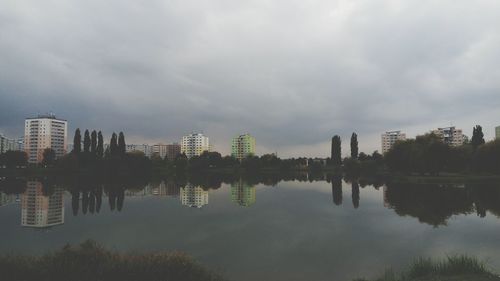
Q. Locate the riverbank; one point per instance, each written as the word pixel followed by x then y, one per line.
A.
pixel 453 268
pixel 90 261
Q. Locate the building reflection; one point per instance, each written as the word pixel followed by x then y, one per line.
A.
pixel 166 189
pixel 6 199
pixel 242 194
pixel 193 196
pixel 40 210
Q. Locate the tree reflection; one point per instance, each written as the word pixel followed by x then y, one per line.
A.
pixel 337 190
pixel 355 194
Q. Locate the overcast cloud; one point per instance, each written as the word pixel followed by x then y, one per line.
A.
pixel 292 72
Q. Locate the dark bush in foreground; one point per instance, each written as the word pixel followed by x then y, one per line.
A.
pixel 89 261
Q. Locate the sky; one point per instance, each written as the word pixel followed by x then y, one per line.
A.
pixel 292 73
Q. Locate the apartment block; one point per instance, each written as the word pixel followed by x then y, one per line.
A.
pixel 450 135
pixel 194 145
pixel 390 138
pixel 44 131
pixel 242 146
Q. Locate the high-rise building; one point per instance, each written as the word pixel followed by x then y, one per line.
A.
pixel 144 148
pixel 7 144
pixel 193 196
pixel 497 132
pixel 194 145
pixel 38 210
pixel 242 146
pixel 242 193
pixel 450 135
pixel 390 138
pixel 44 131
pixel 173 150
pixel 159 149
pixel 6 199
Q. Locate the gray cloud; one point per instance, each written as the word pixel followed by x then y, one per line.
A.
pixel 292 73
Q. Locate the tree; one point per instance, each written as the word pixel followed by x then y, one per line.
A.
pixel 100 145
pixel 113 145
pixel 336 151
pixel 477 136
pixel 354 146
pixel 93 142
pixel 14 159
pixel 86 141
pixel 49 157
pixel 122 148
pixel 77 142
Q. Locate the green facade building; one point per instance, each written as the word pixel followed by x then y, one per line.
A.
pixel 497 132
pixel 243 146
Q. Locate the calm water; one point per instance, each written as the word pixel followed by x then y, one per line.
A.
pixel 290 231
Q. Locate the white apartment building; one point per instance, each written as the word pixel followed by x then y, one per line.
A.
pixel 159 149
pixel 450 135
pixel 194 145
pixel 144 148
pixel 44 131
pixel 390 138
pixel 193 196
pixel 38 210
pixel 7 144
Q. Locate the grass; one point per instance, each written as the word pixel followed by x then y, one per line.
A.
pixel 90 261
pixel 453 268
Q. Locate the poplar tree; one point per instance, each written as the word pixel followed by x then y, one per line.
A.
pixel 77 142
pixel 336 151
pixel 100 145
pixel 113 145
pixel 86 141
pixel 477 136
pixel 354 146
pixel 93 142
pixel 121 144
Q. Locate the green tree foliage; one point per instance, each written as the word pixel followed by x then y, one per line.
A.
pixel 113 145
pixel 86 142
pixel 354 146
pixel 122 147
pixel 77 142
pixel 100 145
pixel 336 153
pixel 477 136
pixel 487 157
pixel 49 157
pixel 93 142
pixel 13 159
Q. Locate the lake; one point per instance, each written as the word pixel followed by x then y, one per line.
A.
pixel 284 230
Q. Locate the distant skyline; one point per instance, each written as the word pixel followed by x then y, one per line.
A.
pixel 291 73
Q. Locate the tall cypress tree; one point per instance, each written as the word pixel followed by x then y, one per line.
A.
pixel 121 144
pixel 93 142
pixel 77 142
pixel 477 136
pixel 100 145
pixel 354 146
pixel 86 141
pixel 336 151
pixel 113 145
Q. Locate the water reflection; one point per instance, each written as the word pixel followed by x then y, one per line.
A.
pixel 193 196
pixel 6 199
pixel 242 193
pixel 435 204
pixel 39 209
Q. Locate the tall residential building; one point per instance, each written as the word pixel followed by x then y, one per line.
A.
pixel 173 150
pixel 193 196
pixel 144 148
pixel 497 133
pixel 6 199
pixel 450 135
pixel 242 193
pixel 159 149
pixel 242 146
pixel 38 210
pixel 44 131
pixel 7 144
pixel 390 138
pixel 194 145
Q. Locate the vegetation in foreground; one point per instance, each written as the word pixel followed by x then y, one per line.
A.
pixel 453 268
pixel 90 261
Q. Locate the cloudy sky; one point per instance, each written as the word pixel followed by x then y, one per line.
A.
pixel 290 72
